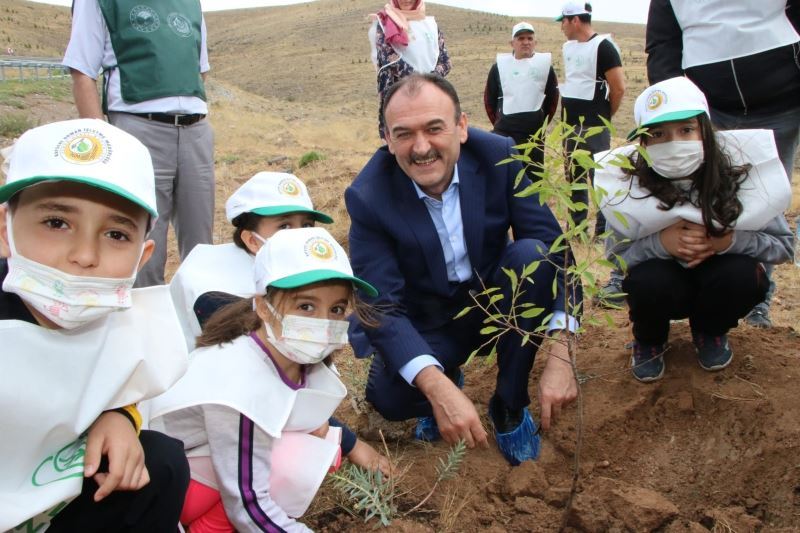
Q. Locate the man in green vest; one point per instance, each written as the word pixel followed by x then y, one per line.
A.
pixel 153 57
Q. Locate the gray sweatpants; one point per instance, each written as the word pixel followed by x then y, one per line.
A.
pixel 183 159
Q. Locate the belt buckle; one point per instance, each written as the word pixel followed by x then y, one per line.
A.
pixel 177 120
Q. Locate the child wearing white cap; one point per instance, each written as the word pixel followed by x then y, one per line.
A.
pixel 215 275
pixel 77 205
pixel 695 219
pixel 253 407
pixel 264 204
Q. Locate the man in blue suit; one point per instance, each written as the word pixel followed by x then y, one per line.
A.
pixel 431 214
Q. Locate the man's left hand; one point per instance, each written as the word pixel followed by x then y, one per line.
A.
pixel 557 386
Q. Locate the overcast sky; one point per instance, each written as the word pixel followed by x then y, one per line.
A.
pixel 616 10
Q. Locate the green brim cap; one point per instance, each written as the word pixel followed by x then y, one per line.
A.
pixel 666 117
pixel 276 210
pixel 314 276
pixel 10 189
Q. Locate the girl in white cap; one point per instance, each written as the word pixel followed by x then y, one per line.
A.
pixel 253 407
pixel 80 347
pixel 211 275
pixel 695 218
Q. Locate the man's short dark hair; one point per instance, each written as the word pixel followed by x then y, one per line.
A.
pixel 586 18
pixel 412 84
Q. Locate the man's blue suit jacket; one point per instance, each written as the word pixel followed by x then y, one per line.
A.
pixel 394 244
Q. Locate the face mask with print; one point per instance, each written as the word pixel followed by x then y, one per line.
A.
pixel 676 159
pixel 306 340
pixel 67 300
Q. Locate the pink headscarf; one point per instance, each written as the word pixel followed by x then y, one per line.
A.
pixel 395 20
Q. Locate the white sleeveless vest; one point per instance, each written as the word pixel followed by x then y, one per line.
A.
pixel 55 383
pixel 764 194
pixel 718 30
pixel 240 376
pixel 222 267
pixel 580 68
pixel 422 52
pixel 523 81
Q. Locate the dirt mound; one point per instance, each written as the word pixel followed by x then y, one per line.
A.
pixel 692 452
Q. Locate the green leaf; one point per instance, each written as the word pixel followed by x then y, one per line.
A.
pixel 624 221
pixel 463 312
pixel 512 276
pixel 532 313
pixel 488 330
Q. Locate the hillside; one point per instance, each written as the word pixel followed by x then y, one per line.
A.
pixel 695 452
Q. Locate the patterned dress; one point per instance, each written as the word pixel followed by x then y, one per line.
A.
pixel 392 68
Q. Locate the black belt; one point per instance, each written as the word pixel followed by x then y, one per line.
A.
pixel 175 120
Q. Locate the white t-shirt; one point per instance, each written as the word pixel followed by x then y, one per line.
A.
pixel 90 48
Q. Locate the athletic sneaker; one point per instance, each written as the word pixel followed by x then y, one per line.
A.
pixel 647 361
pixel 758 317
pixel 611 295
pixel 713 351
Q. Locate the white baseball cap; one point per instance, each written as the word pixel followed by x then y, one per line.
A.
pixel 673 99
pixel 270 194
pixel 296 257
pixel 521 26
pixel 86 150
pixel 571 8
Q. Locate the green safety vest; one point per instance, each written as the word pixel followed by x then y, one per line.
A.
pixel 157 44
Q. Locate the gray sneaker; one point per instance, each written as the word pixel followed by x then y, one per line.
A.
pixel 611 295
pixel 758 317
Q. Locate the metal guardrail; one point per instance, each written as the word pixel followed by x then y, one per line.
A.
pixel 31 69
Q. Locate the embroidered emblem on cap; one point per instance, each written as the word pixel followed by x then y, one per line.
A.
pixel 289 187
pixel 319 248
pixel 144 19
pixel 656 100
pixel 84 147
pixel 179 24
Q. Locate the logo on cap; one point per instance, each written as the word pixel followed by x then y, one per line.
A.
pixel 84 147
pixel 656 100
pixel 320 248
pixel 289 187
pixel 144 19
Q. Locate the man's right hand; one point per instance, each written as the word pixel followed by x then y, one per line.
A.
pixel 455 413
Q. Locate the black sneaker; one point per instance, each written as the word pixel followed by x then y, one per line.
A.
pixel 647 361
pixel 713 351
pixel 758 317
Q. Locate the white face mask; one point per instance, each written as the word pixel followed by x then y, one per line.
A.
pixel 676 159
pixel 67 300
pixel 306 340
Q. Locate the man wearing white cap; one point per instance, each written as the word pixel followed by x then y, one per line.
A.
pixel 80 347
pixel 743 56
pixel 593 87
pixel 154 60
pixel 521 90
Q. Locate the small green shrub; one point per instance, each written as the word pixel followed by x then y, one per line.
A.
pixel 14 124
pixel 309 157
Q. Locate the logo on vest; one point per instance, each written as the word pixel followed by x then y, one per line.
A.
pixel 179 24
pixel 66 463
pixel 289 187
pixel 144 19
pixel 84 147
pixel 656 100
pixel 319 248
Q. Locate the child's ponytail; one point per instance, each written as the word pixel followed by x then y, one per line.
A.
pixel 229 323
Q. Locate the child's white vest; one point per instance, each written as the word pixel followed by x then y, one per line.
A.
pixel 55 383
pixel 765 193
pixel 222 267
pixel 239 375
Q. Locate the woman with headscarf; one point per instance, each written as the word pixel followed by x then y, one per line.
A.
pixel 403 41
